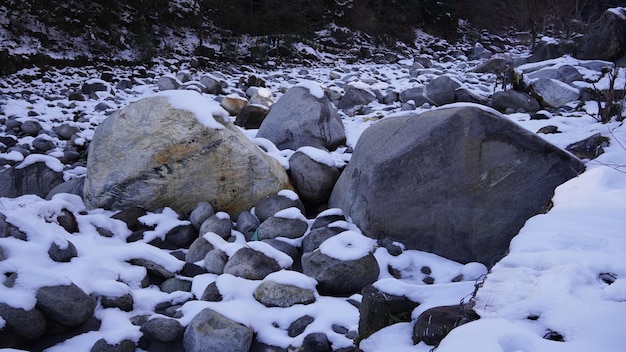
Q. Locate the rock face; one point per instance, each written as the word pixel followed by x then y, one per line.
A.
pixel 553 93
pixel 211 331
pixel 458 182
pixel 153 154
pixel 300 119
pixel 607 39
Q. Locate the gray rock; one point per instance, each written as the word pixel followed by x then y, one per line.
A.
pixel 466 181
pixel 92 86
pixel 316 342
pixel 327 218
pixel 299 325
pixel 43 144
pixel 276 226
pixel 355 95
pixel 162 329
pixel 416 94
pixel 214 261
pixel 441 90
pixel 606 40
pixel 181 236
pixel 316 236
pixel 123 302
pixel 67 220
pixel 286 248
pixel 273 294
pixel 37 179
pixel 174 284
pixel 590 147
pixel 153 268
pixel 380 309
pixel 563 73
pixel 73 186
pixel 67 305
pixel 31 127
pixel 468 96
pixel 151 154
pixel 337 277
pixel 312 179
pixel 250 264
pixel 103 346
pixel 271 205
pixel 553 93
pixel 211 293
pixel 513 99
pixel 435 323
pixel 493 65
pixel 545 51
pixel 251 116
pixel 301 119
pixel 2 255
pixel 247 224
pixel 233 104
pixel 211 331
pixel 213 84
pixel 168 83
pixel 219 224
pixel 10 230
pixel 201 212
pixel 550 129
pixel 198 250
pixel 27 324
pixel 130 216
pixel 62 253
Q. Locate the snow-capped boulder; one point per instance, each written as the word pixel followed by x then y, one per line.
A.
pixel 606 40
pixel 553 93
pixel 343 264
pixel 458 182
pixel 271 205
pixel 176 149
pixel 357 93
pixel 380 309
pixel 250 264
pixel 514 100
pixel 233 103
pixel 435 323
pixel 288 223
pixel 211 331
pixel 37 174
pixel 303 116
pixel 563 73
pixel 162 329
pixel 281 294
pixel 313 173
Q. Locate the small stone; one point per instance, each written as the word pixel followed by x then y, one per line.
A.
pixel 162 329
pixel 175 284
pixel 201 212
pixel 273 294
pixel 211 293
pixel 62 253
pixel 297 327
pixel 198 250
pixel 214 261
pixel 103 346
pixel 123 302
pixel 316 342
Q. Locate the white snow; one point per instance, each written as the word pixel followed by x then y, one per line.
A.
pixel 318 155
pixel 290 213
pixel 51 162
pixel 289 194
pixel 205 110
pixel 315 89
pixel 348 245
pixel 290 277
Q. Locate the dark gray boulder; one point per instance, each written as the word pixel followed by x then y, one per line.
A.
pixel 315 237
pixel 553 93
pixel 219 224
pixel 313 174
pixel 271 205
pixel 281 226
pixel 340 277
pixel 316 342
pixel 356 94
pixel 380 309
pixel 211 331
pixel 73 186
pixel 300 118
pixel 251 116
pixel 66 304
pixel 214 261
pixel 62 253
pixel 606 40
pixel 435 323
pixel 162 329
pixel 250 264
pixel 198 250
pixel 36 178
pixel 298 326
pixel 514 100
pixel 103 346
pixel 247 224
pixel 441 90
pixel 458 182
pixel 201 212
pixel 27 324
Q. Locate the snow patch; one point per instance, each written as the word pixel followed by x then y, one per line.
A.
pixel 205 110
pixel 348 245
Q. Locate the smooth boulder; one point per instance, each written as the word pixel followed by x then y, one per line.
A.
pixel 177 149
pixel 459 181
pixel 303 116
pixel 211 331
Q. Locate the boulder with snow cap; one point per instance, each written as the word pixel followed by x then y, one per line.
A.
pixel 233 103
pixel 459 182
pixel 343 264
pixel 553 93
pixel 285 289
pixel 357 93
pixel 250 264
pixel 313 173
pixel 212 331
pixel 37 174
pixel 270 205
pixel 177 149
pixel 303 116
pixel 288 223
pixel 219 224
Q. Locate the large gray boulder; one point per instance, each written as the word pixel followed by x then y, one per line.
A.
pixel 458 182
pixel 303 116
pixel 176 149
pixel 606 40
pixel 553 93
pixel 30 178
pixel 65 304
pixel 211 331
pixel 514 100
